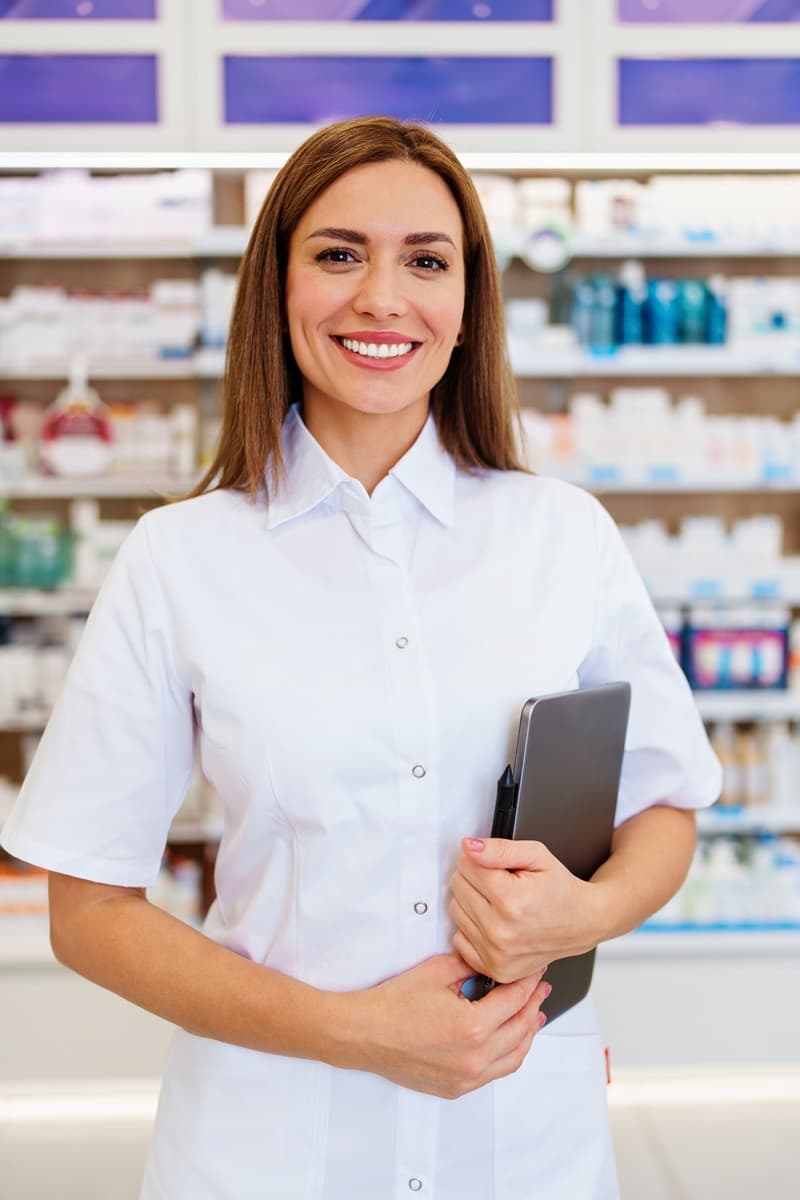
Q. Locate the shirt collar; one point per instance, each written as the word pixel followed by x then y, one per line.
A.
pixel 426 470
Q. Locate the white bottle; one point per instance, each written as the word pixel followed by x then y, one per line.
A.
pixel 728 883
pixel 783 785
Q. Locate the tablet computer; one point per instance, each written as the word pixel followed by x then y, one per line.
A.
pixel 566 777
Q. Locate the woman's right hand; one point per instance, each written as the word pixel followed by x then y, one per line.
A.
pixel 417 1030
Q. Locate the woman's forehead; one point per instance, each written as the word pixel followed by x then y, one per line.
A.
pixel 387 196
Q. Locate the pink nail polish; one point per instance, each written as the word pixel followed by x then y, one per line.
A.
pixel 542 1019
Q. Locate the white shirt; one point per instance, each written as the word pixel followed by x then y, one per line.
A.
pixel 354 669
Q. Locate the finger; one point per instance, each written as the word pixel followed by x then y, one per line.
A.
pixel 451 968
pixel 464 922
pixel 503 1002
pixel 464 947
pixel 508 1063
pixel 520 1028
pixel 473 886
pixel 505 854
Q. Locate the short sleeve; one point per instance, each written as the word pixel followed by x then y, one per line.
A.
pixel 668 758
pixel 114 763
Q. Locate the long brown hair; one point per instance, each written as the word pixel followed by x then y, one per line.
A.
pixel 474 404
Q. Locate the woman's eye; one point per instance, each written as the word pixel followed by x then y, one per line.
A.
pixel 430 262
pixel 336 255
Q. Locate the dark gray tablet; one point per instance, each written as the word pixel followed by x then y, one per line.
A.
pixel 566 775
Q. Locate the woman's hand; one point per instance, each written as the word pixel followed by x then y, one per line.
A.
pixel 417 1030
pixel 516 906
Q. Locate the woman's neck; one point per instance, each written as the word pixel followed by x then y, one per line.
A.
pixel 365 445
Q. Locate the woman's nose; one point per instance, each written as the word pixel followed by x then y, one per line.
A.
pixel 380 294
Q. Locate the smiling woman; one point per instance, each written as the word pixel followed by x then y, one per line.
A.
pixel 375 311
pixel 346 620
pixel 368 235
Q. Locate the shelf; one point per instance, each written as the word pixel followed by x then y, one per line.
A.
pixel 230 241
pixel 25 941
pixel 105 368
pixel 611 481
pixel 29 723
pixel 702 943
pixel 109 486
pixel 642 247
pixel 32 603
pixel 749 705
pixel 527 360
pixel 656 362
pixel 748 820
pixel 220 241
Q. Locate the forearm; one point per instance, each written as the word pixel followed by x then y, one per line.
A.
pixel 650 857
pixel 155 961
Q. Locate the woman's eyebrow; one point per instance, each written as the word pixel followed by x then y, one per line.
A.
pixel 361 239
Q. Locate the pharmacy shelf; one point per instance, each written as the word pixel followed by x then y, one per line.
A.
pixel 31 722
pixel 220 241
pixel 759 594
pixel 642 247
pixel 230 241
pixel 761 706
pixel 702 943
pixel 613 482
pixel 32 603
pixel 748 820
pixel 25 941
pixel 42 487
pixel 530 361
pixel 749 705
pixel 103 368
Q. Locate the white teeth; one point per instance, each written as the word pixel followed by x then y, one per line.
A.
pixel 378 350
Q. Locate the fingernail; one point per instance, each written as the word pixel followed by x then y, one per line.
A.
pixel 476 844
pixel 542 1019
pixel 548 987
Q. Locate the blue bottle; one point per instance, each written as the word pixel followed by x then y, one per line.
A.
pixel 603 334
pixel 631 296
pixel 661 313
pixel 716 311
pixel 583 309
pixel 692 303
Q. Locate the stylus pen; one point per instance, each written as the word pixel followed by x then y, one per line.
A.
pixel 502 827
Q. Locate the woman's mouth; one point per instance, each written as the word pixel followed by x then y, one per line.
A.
pixel 377 355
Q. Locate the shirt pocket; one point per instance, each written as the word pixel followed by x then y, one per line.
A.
pixel 550 1123
pixel 239 1124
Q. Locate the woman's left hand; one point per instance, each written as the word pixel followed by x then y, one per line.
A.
pixel 516 907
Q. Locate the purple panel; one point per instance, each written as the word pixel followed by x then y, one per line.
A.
pixel 387 10
pixel 509 91
pixel 82 10
pixel 708 11
pixel 80 88
pixel 705 91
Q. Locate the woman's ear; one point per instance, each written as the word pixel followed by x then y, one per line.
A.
pixel 460 338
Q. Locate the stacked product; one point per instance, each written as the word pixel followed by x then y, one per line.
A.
pixel 642 437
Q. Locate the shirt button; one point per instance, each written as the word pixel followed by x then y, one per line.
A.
pixel 401 643
pixel 418 771
pixel 415 1185
pixel 420 907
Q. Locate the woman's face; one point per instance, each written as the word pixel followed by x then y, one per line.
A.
pixel 375 289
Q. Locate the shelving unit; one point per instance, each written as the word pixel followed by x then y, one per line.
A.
pixel 729 375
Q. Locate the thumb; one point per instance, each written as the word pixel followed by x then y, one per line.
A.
pixel 502 853
pixel 451 969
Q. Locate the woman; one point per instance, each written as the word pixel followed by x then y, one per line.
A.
pixel 349 635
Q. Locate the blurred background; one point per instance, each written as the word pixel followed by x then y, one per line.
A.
pixel 638 163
